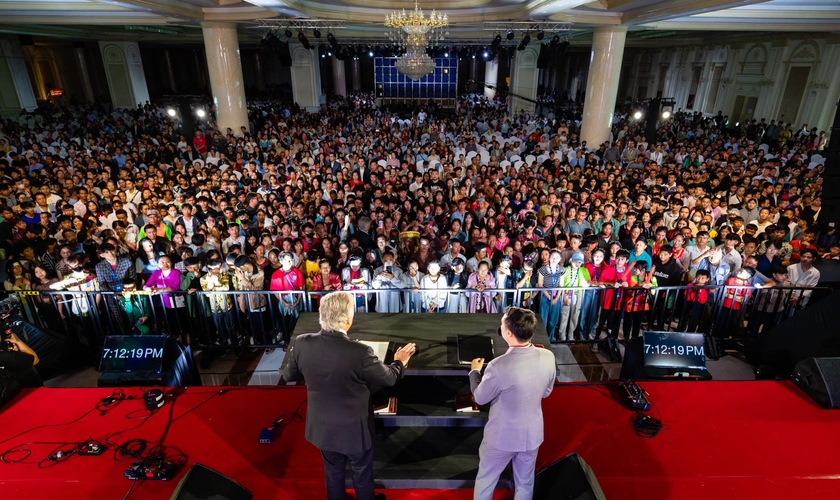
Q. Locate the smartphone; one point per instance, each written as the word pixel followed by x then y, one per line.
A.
pixel 389 269
pixel 380 223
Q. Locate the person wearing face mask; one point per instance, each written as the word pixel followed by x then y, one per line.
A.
pixel 250 279
pixel 386 277
pixel 288 278
pixel 411 281
pixel 434 301
pixel 549 276
pixel 356 277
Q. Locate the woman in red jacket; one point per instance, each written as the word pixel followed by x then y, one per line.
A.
pixel 619 279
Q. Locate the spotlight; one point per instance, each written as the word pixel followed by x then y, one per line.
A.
pixel 304 41
pixel 555 40
pixel 331 38
pixel 446 54
pixel 540 35
pixel 329 54
pixel 497 40
pixel 473 56
pixel 171 112
pixel 666 114
pixel 486 54
pixel 370 53
pixel 525 40
pixel 288 33
pixel 638 115
pixel 316 33
pixel 510 34
pixel 200 113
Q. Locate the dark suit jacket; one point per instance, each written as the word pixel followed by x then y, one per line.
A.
pixel 338 373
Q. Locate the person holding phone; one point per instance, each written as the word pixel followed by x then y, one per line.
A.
pixel 387 277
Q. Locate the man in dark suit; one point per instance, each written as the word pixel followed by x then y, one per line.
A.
pixel 514 384
pixel 338 374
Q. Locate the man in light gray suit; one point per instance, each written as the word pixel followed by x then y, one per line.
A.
pixel 514 384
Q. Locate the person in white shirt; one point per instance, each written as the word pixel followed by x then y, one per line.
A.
pixel 803 274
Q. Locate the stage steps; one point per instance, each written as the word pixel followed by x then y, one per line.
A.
pixel 428 457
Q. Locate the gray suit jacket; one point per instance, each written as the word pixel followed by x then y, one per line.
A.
pixel 338 373
pixel 514 384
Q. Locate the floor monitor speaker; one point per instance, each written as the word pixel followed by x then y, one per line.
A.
pixel 819 378
pixel 203 483
pixel 569 478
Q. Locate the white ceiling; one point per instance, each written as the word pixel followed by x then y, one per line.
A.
pixel 364 17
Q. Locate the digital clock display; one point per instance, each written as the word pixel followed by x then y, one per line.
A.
pixel 674 350
pixel 132 354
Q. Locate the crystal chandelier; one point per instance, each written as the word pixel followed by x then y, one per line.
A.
pixel 412 32
pixel 415 64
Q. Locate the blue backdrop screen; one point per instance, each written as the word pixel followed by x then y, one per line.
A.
pixel 441 83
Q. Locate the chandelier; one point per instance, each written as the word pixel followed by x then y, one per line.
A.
pixel 412 32
pixel 415 64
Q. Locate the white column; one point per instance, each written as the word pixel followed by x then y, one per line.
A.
pixel 15 88
pixel 491 77
pixel 601 93
pixel 84 74
pixel 524 79
pixel 221 45
pixel 339 78
pixel 306 77
pixel 124 70
pixel 356 74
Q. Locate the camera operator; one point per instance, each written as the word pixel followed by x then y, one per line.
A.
pixel 19 359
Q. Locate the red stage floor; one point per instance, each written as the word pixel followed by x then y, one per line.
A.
pixel 724 440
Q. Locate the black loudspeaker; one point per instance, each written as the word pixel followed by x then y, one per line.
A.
pixel 9 386
pixel 569 478
pixel 285 55
pixel 203 483
pixel 819 378
pixel 543 58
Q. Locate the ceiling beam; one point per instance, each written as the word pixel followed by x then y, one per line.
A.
pixel 171 8
pixel 671 9
pixel 735 25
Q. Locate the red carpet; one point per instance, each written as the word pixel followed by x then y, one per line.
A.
pixel 724 440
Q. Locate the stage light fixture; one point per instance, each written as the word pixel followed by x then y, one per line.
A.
pixel 486 54
pixel 316 33
pixel 555 40
pixel 333 41
pixel 288 33
pixel 497 40
pixel 171 112
pixel 446 54
pixel 540 35
pixel 303 40
pixel 666 114
pixel 638 115
pixel 200 113
pixel 510 34
pixel 370 53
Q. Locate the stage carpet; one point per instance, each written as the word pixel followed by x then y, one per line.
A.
pixel 723 440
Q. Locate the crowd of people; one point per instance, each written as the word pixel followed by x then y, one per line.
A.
pixel 445 208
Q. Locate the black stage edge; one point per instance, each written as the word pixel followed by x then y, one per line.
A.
pixel 434 335
pixel 427 444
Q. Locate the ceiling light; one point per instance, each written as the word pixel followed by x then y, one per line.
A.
pixel 171 112
pixel 637 115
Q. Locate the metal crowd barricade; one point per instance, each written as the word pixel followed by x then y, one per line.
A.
pixel 736 312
